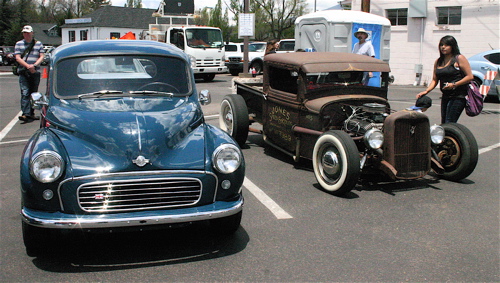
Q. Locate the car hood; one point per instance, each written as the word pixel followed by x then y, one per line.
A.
pixel 115 135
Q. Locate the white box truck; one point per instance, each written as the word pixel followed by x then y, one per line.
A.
pixel 204 45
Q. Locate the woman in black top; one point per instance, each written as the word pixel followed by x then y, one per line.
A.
pixel 453 72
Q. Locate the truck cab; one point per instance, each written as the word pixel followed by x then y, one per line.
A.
pixel 203 45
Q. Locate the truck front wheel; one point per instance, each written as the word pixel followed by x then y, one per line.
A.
pixel 208 77
pixel 336 162
pixel 233 117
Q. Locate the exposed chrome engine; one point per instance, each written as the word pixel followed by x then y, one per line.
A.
pixel 365 117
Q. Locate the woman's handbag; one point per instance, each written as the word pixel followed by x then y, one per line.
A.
pixel 474 100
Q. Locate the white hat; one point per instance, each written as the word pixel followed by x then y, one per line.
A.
pixel 27 29
pixel 360 30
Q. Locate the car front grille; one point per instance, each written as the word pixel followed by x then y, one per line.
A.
pixel 407 144
pixel 136 195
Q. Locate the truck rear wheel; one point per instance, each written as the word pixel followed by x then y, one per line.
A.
pixel 336 162
pixel 458 153
pixel 233 117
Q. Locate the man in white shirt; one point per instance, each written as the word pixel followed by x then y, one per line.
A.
pixel 364 47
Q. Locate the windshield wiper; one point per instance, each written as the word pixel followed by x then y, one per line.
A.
pixel 99 93
pixel 170 94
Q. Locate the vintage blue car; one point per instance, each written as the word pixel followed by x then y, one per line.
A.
pixel 123 144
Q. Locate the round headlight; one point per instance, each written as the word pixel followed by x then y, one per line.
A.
pixel 227 158
pixel 437 134
pixel 46 166
pixel 374 139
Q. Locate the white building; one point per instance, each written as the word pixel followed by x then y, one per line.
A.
pixel 110 22
pixel 418 25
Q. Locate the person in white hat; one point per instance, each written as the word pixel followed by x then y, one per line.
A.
pixel 29 74
pixel 363 46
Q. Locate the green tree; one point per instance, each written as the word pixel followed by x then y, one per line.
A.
pixel 216 17
pixel 273 18
pixel 282 15
pixel 134 3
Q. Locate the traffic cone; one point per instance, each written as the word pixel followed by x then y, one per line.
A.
pixel 44 74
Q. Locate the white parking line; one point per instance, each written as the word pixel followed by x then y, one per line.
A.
pixel 266 200
pixel 9 127
pixel 488 148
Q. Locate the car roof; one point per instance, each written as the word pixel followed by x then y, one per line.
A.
pixel 480 56
pixel 116 46
pixel 316 62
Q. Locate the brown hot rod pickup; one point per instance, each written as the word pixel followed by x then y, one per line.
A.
pixel 325 107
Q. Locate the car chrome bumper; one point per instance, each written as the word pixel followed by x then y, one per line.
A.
pixel 58 220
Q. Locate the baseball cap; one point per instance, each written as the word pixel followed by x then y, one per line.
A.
pixel 422 102
pixel 27 29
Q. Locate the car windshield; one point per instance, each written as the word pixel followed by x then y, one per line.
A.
pixel 257 47
pixel 322 80
pixel 9 49
pixel 204 38
pixel 121 75
pixel 231 48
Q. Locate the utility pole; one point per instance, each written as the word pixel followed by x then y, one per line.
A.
pixel 245 40
pixel 365 6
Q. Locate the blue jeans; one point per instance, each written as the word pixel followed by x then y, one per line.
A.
pixel 451 108
pixel 28 84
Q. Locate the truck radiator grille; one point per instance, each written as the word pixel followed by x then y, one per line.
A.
pixel 407 144
pixel 135 195
pixel 235 59
pixel 208 62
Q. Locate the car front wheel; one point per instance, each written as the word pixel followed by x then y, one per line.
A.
pixel 36 240
pixel 336 162
pixel 227 225
pixel 458 153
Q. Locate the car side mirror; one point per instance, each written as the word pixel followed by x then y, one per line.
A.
pixel 38 100
pixel 205 97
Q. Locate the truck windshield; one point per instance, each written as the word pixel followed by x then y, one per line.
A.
pixel 204 38
pixel 122 75
pixel 322 80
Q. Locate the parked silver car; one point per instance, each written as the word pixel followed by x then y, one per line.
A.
pixel 482 63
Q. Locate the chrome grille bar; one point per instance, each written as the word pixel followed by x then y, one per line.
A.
pixel 143 194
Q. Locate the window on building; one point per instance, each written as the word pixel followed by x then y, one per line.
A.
pixel 398 17
pixel 449 15
pixel 71 35
pixel 83 35
pixel 114 35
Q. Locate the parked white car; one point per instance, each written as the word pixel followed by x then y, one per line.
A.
pixel 256 51
pixel 286 46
